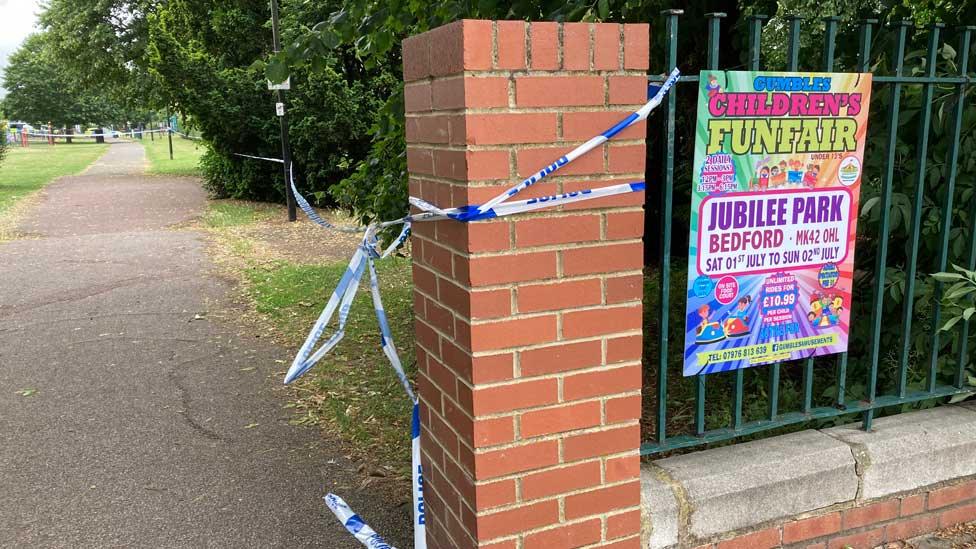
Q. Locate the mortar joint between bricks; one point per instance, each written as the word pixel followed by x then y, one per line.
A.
pixel 528 45
pixel 559 46
pixel 591 45
pixel 621 47
pixel 494 44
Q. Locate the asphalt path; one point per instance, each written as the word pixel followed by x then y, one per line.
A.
pixel 130 415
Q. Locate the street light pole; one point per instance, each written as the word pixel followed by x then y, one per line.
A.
pixel 283 118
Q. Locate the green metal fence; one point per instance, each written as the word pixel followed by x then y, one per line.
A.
pixel 869 401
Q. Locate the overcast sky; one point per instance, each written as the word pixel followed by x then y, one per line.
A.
pixel 17 20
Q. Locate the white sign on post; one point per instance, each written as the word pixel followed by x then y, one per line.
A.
pixel 286 85
pixel 280 109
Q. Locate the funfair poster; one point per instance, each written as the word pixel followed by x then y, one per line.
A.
pixel 776 179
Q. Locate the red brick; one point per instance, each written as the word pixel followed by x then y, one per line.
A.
pixel 560 481
pixel 420 160
pixel 626 159
pixel 558 91
pixel 506 461
pixel 505 398
pixel 510 544
pixel 628 90
pixel 625 225
pixel 450 164
pixel 442 433
pixel 636 46
pixel 491 432
pixel 623 409
pixel 559 419
pixel 950 517
pixel 579 324
pixel 485 92
pixel 911 505
pixel 505 334
pixel 511 45
pixel 571 535
pixel 427 337
pixel 560 358
pixel 494 494
pixel 427 129
pixel 625 288
pixel 475 305
pixel 908 529
pixel 416 59
pixel 603 259
pixel 474 237
pixel 441 318
pixel 448 93
pixel 629 543
pixel 581 126
pixel 576 46
pixel 602 382
pixel 486 271
pixel 447 49
pixel 624 524
pixel 600 443
pixel 486 369
pixel 764 539
pixel 606 46
pixel 559 295
pixel 810 528
pixel 520 519
pixel 602 500
pixel 511 128
pixel 487 165
pixel 530 161
pixel 863 540
pixel 424 280
pixel 622 468
pixel 443 377
pixel 542 231
pixel 870 514
pixel 545 45
pixel 417 97
pixel 477 44
pixel 624 349
pixel 952 494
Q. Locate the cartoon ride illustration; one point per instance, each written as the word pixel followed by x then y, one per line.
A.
pixel 708 331
pixel 736 323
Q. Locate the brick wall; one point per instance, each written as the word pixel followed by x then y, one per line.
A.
pixel 868 525
pixel 528 327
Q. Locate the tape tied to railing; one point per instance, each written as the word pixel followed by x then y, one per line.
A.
pixel 370 250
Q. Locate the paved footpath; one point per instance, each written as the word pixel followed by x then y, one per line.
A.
pixel 141 432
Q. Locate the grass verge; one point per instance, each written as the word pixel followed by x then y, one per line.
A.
pixel 26 170
pixel 186 155
pixel 352 392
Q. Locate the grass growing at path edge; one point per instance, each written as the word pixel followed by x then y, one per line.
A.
pixel 232 214
pixel 353 389
pixel 26 170
pixel 186 155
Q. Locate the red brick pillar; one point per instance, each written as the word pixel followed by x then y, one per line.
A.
pixel 528 327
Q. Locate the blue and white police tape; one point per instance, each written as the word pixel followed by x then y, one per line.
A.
pixel 278 160
pixel 369 250
pixel 127 133
pixel 366 535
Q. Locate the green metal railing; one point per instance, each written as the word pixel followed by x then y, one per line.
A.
pixel 842 404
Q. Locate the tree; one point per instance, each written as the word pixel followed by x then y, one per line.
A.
pixel 41 91
pixel 37 91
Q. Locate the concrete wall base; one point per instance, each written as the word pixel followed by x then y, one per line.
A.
pixel 832 488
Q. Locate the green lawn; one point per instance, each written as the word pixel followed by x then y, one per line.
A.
pixel 353 389
pixel 26 170
pixel 186 155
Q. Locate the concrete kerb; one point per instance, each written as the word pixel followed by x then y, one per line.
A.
pixel 740 488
